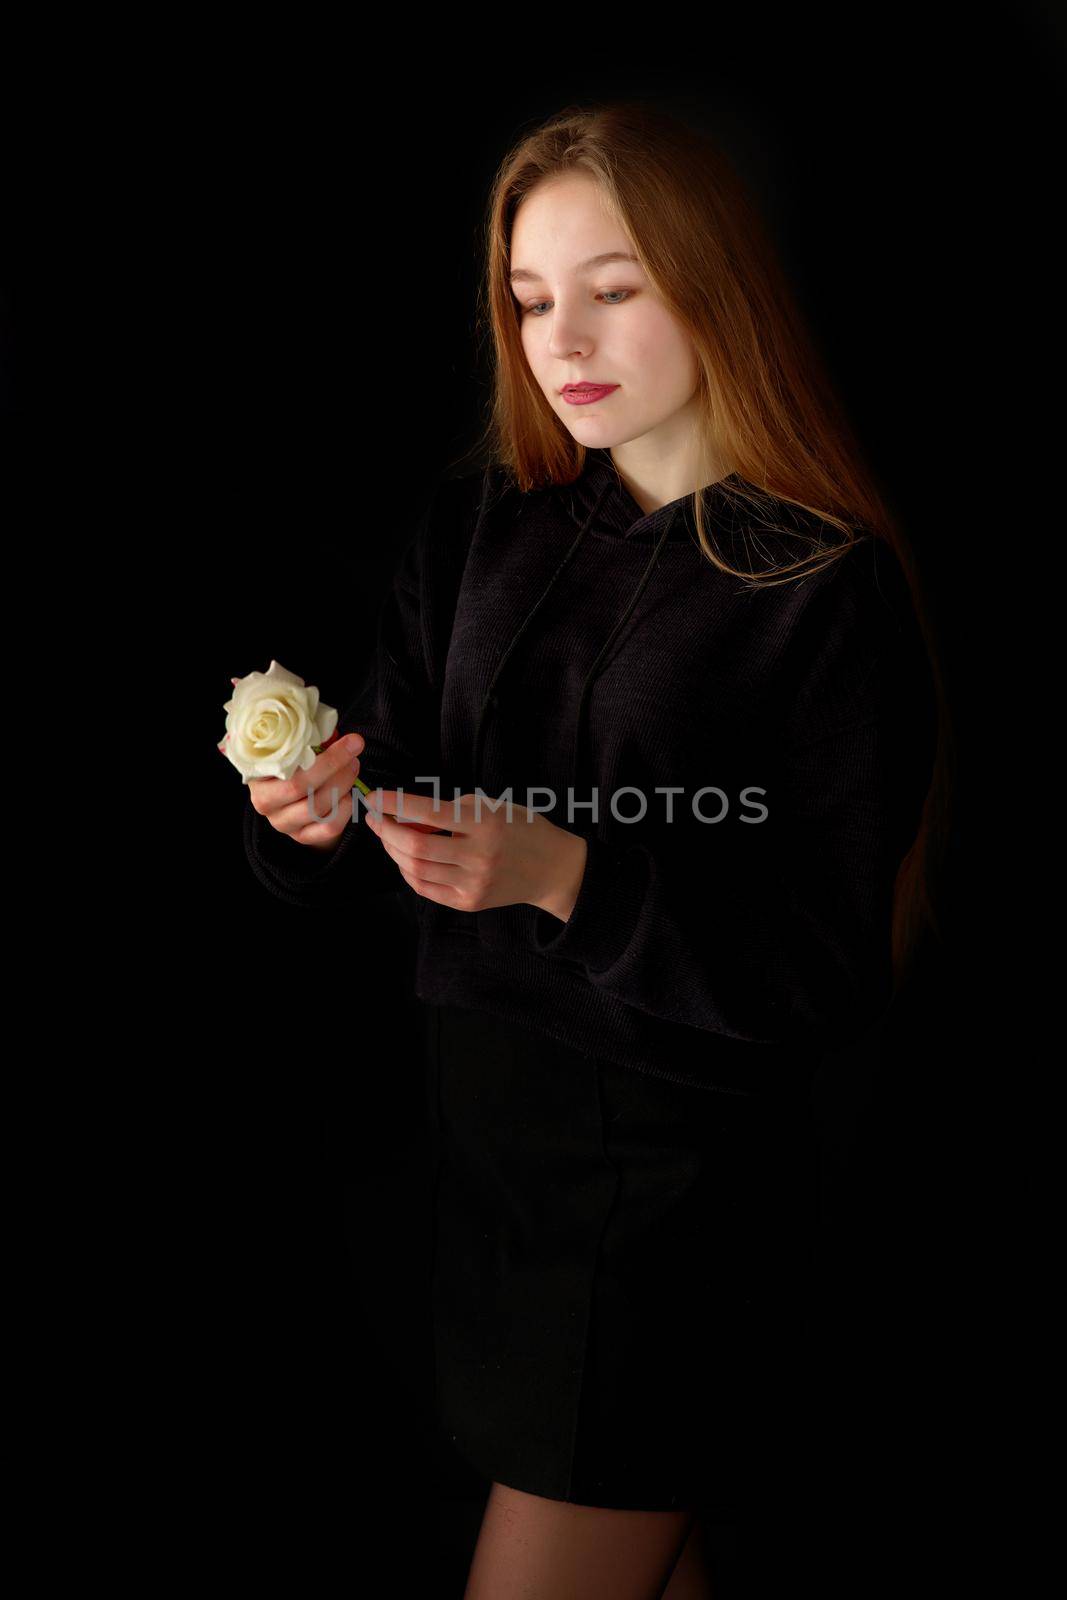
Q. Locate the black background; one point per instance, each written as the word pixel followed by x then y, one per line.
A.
pixel 286 220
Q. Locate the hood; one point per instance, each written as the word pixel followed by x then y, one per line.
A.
pixel 619 515
pixel 599 503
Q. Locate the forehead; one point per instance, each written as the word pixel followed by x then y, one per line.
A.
pixel 564 224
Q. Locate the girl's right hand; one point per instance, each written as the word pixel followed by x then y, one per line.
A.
pixel 285 803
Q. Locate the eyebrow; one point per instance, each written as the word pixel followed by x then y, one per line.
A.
pixel 524 275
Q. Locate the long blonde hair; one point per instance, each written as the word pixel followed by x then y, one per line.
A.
pixel 765 403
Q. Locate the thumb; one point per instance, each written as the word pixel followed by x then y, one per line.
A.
pixel 346 733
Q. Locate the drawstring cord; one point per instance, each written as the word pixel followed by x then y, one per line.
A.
pixel 583 698
pixel 490 697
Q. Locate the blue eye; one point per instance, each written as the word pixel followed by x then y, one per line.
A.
pixel 627 292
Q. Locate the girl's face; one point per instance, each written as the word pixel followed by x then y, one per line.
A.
pixel 599 323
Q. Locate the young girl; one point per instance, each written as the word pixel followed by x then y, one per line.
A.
pixel 673 624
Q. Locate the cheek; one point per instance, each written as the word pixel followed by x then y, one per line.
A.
pixel 669 357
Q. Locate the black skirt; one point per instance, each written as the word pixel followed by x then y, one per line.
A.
pixel 620 1274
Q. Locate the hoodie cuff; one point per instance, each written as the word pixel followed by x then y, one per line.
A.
pixel 605 914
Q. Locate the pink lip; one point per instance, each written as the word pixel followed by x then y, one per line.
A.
pixel 584 394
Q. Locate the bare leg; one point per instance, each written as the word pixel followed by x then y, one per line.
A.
pixel 691 1578
pixel 530 1548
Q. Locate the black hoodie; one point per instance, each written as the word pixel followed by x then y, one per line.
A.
pixel 564 641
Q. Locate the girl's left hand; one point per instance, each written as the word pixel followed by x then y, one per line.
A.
pixel 478 861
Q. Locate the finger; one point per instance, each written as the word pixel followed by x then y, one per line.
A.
pixel 441 894
pixel 419 870
pixel 371 810
pixel 408 841
pixel 327 814
pixel 418 807
pixel 333 769
pixel 346 752
pixel 335 766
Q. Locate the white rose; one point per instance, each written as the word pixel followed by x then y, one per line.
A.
pixel 274 723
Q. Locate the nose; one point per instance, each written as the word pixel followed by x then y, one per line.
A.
pixel 567 340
